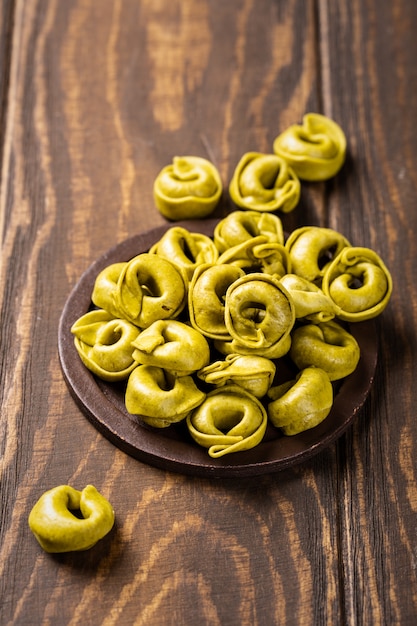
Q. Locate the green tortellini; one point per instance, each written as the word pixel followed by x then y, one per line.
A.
pixel 105 288
pixel 173 346
pixel 197 326
pixel 189 188
pixel 67 520
pixel 253 373
pixel 185 250
pixel 104 344
pixel 309 300
pixel 316 150
pixel 234 346
pixel 312 249
pixel 258 254
pixel 241 226
pixel 206 298
pixel 265 182
pixel 303 403
pixel 359 284
pixel 159 398
pixel 272 258
pixel 230 419
pixel 145 289
pixel 259 313
pixel 326 345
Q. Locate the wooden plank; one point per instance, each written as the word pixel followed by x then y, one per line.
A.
pixel 6 29
pixel 100 97
pixel 370 47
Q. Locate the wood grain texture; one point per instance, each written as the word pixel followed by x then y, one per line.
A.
pixel 95 99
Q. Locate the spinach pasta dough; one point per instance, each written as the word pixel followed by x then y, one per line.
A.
pixel 316 150
pixel 145 289
pixel 359 284
pixel 189 188
pixel 58 529
pixel 172 345
pixel 241 226
pixel 201 328
pixel 312 249
pixel 160 398
pixel 310 302
pixel 259 312
pixel 104 344
pixel 206 296
pixel 234 346
pixel 258 254
pixel 302 403
pixel 253 373
pixel 105 288
pixel 264 182
pixel 185 250
pixel 326 345
pixel 230 419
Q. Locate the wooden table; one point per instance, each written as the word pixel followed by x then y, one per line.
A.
pixel 96 97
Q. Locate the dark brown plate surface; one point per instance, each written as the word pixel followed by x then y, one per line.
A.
pixel 172 448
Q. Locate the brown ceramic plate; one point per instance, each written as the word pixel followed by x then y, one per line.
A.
pixel 172 448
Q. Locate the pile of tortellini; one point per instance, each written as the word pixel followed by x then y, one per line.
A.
pixel 191 187
pixel 196 327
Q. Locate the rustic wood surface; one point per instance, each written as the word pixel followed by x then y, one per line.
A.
pixel 96 97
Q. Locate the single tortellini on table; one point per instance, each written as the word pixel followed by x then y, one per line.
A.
pixel 264 182
pixel 241 226
pixel 302 403
pixel 104 344
pixel 206 297
pixel 253 373
pixel 326 345
pixel 309 300
pixel 312 249
pixel 230 419
pixel 186 250
pixel 189 188
pixel 143 290
pixel 259 312
pixel 173 346
pixel 359 283
pixel 160 398
pixel 316 149
pixel 67 520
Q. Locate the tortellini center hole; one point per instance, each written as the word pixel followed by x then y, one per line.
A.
pixel 150 287
pixel 355 282
pixel 76 513
pixel 269 178
pixel 114 337
pixel 220 292
pixel 326 256
pixel 187 250
pixel 254 311
pixel 166 382
pixel 227 418
pixel 251 228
